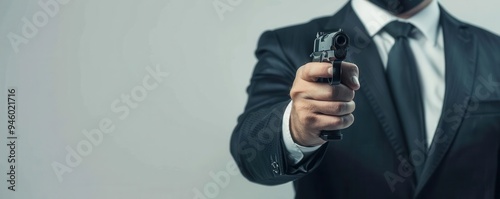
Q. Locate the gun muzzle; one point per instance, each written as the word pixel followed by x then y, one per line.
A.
pixel 340 44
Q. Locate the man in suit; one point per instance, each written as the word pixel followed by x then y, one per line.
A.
pixel 424 88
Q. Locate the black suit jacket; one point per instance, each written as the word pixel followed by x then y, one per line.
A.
pixel 372 159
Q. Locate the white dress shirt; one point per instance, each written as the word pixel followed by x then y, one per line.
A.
pixel 428 48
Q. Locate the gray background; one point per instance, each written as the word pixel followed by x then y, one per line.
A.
pixel 91 52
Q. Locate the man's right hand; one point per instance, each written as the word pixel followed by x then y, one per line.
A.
pixel 320 106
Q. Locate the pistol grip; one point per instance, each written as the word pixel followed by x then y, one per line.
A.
pixel 333 135
pixel 335 80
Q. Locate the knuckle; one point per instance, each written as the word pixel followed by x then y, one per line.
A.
pixel 299 70
pixel 293 93
pixel 339 107
pixel 342 121
pixel 342 107
pixel 309 118
pixel 296 91
pixel 302 107
pixel 306 107
pixel 337 122
pixel 305 70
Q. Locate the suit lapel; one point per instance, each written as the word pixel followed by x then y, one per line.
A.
pixel 363 52
pixel 460 55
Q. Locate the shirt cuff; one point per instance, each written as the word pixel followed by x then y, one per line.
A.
pixel 296 152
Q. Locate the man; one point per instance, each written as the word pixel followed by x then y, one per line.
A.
pixel 424 88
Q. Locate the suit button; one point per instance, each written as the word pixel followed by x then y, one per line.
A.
pixel 275 166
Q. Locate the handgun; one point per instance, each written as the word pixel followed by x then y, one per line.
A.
pixel 331 47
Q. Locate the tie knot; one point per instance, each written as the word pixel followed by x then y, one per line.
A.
pixel 398 29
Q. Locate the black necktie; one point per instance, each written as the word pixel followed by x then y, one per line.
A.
pixel 405 87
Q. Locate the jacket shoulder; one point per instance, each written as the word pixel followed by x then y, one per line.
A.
pixel 485 37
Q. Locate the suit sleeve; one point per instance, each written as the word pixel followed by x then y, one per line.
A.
pixel 257 143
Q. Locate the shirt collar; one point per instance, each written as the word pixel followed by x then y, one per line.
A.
pixel 375 18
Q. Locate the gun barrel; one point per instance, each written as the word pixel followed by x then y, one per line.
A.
pixel 340 44
pixel 340 40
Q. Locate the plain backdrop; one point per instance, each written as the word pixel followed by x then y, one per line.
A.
pixel 87 56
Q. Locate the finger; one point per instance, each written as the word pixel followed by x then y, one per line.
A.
pixel 350 75
pixel 326 92
pixel 332 108
pixel 321 122
pixel 342 93
pixel 312 71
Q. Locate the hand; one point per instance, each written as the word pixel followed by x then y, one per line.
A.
pixel 319 106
